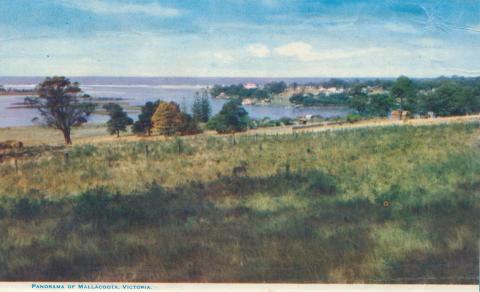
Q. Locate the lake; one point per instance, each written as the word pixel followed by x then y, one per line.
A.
pixel 138 90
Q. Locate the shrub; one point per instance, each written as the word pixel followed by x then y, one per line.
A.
pixel 352 118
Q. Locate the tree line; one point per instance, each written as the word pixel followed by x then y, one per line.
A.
pixel 441 96
pixel 61 106
pixel 239 90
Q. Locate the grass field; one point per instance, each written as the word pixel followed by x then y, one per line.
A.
pixel 393 204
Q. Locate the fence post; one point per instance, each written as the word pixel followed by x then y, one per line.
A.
pixel 16 166
pixel 146 152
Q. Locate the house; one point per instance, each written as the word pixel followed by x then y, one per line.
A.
pixel 399 115
pixel 375 90
pixel 250 86
pixel 303 120
pixel 248 101
pixel 221 95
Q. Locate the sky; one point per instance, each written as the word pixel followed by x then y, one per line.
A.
pixel 240 38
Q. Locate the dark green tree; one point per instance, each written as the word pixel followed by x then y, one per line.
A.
pixel 119 119
pixel 359 99
pixel 231 118
pixel 451 98
pixel 206 107
pixel 201 108
pixel 405 93
pixel 61 105
pixel 379 105
pixel 275 87
pixel 144 123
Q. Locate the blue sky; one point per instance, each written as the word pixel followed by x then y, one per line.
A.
pixel 277 38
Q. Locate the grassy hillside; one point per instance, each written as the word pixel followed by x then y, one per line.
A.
pixel 392 204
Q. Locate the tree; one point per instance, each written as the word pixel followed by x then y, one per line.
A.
pixel 380 105
pixel 359 99
pixel 451 98
pixel 275 87
pixel 201 108
pixel 144 123
pixel 168 120
pixel 206 107
pixel 119 119
pixel 60 105
pixel 404 91
pixel 370 105
pixel 187 125
pixel 231 118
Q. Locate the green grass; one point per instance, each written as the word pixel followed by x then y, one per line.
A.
pixel 310 210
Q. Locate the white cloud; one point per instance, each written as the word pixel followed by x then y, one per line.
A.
pixel 305 52
pixel 113 7
pixel 258 50
pixel 300 50
pixel 474 28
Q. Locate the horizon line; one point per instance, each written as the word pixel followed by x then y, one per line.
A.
pixel 240 77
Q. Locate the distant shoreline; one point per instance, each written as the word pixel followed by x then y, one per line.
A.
pixel 17 93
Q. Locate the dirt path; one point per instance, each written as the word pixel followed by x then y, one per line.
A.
pixel 388 122
pixel 35 135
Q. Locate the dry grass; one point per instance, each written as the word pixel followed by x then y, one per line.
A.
pixel 311 208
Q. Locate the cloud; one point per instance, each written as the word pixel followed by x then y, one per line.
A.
pixel 113 7
pixel 305 52
pixel 258 50
pixel 300 50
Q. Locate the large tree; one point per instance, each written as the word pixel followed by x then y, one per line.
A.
pixel 169 120
pixel 60 105
pixel 119 119
pixel 404 91
pixel 232 118
pixel 144 123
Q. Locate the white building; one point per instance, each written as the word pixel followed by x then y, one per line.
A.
pixel 250 86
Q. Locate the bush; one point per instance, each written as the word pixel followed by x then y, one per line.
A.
pixel 352 118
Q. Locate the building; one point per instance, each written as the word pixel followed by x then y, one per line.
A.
pixel 248 101
pixel 250 86
pixel 399 115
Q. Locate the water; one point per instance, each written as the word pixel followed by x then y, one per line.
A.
pixel 139 90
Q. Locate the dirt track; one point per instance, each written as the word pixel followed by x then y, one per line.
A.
pixel 34 135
